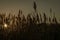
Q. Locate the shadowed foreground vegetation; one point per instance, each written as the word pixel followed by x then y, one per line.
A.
pixel 29 28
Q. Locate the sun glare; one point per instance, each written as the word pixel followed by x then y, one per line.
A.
pixel 5 25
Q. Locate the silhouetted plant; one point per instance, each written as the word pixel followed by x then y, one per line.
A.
pixel 29 19
pixel 44 18
pixel 50 14
pixel 34 6
pixel 49 19
pixel 40 18
pixel 54 19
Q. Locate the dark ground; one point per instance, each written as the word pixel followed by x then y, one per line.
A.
pixel 34 32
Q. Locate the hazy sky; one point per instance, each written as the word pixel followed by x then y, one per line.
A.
pixel 12 6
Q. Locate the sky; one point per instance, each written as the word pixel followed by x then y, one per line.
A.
pixel 12 6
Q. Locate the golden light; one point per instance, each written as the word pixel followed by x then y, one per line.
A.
pixel 5 25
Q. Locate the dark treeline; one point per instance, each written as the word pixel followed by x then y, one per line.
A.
pixel 29 28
